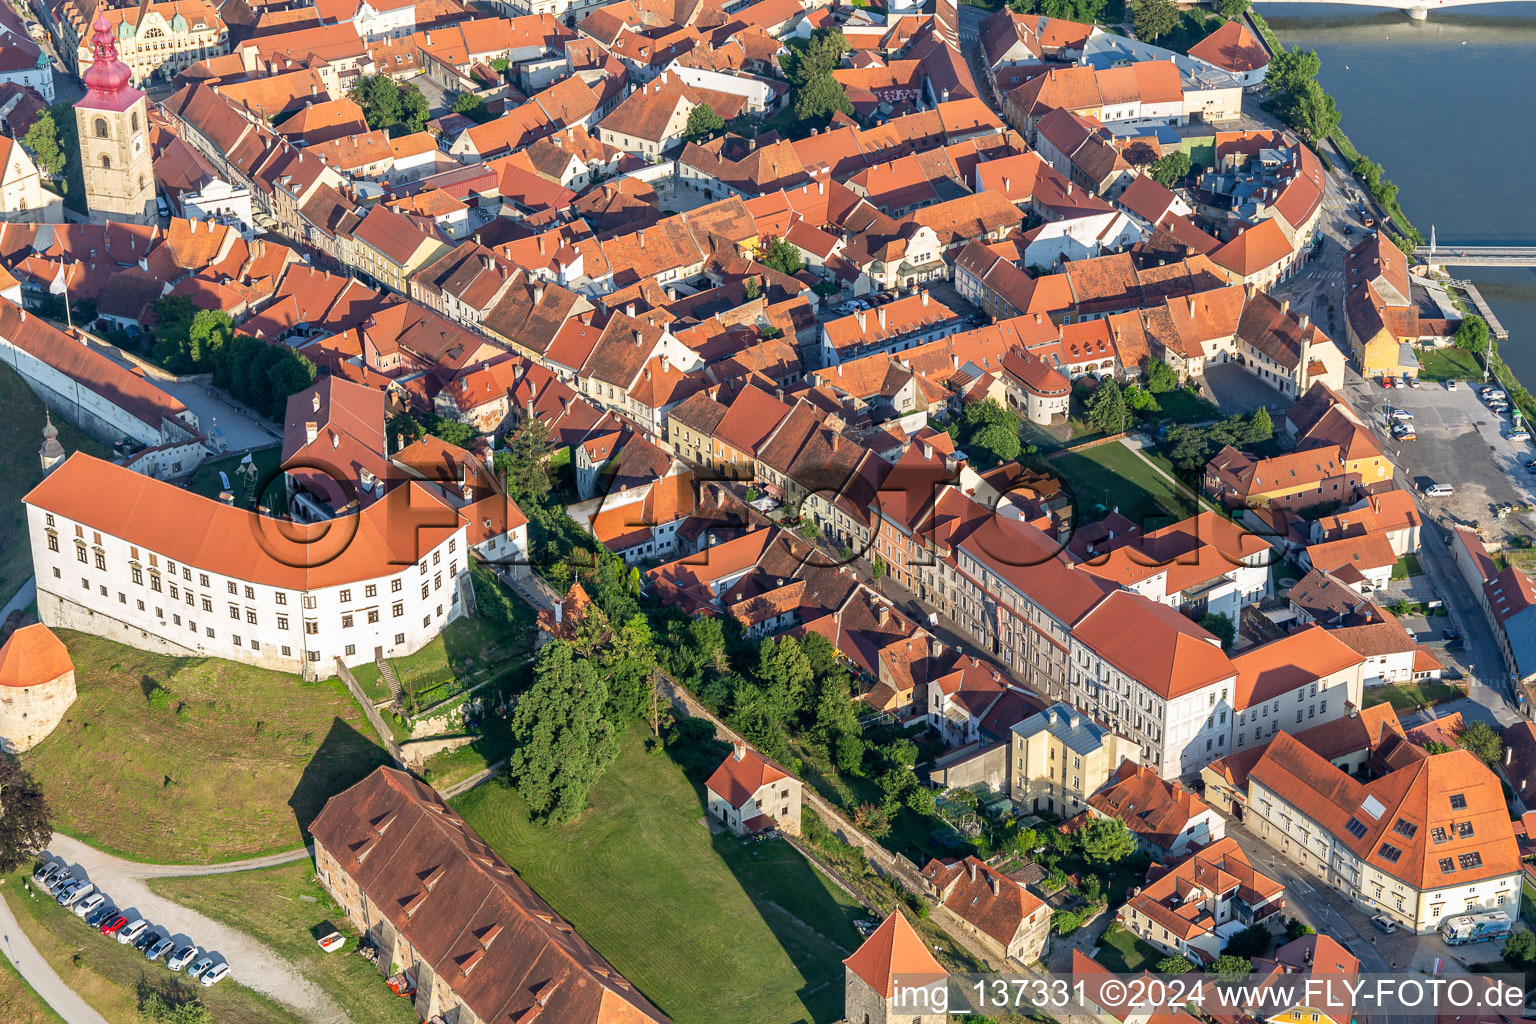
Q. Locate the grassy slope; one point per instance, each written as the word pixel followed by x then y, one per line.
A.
pixel 266 905
pixel 709 928
pixel 251 757
pixel 1111 476
pixel 21 435
pixel 107 975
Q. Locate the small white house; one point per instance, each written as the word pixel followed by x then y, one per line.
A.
pixel 750 793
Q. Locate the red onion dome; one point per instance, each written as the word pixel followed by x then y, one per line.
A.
pixel 107 74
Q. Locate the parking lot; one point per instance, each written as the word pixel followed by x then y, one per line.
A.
pixel 1460 442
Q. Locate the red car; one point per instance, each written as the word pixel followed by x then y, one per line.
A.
pixel 1387 382
pixel 113 924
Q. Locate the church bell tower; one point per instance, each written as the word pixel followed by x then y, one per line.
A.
pixel 113 126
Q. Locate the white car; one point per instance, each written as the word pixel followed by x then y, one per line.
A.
pixel 89 904
pixel 132 930
pixel 214 975
pixel 179 959
pixel 1450 385
pixel 75 893
pixel 200 968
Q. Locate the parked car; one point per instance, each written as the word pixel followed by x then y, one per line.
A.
pixel 158 949
pixel 46 873
pixel 1400 414
pixel 200 968
pixel 1449 635
pixel 132 930
pixel 114 923
pixel 1519 435
pixel 101 914
pixel 1398 383
pixel 179 959
pixel 1386 382
pixel 214 975
pixel 1438 490
pixel 89 904
pixel 1385 923
pixel 63 890
pixel 1413 382
pixel 148 937
pixel 1450 385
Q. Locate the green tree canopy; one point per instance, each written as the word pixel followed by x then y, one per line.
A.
pixel 1231 967
pixel 42 141
pixel 1520 950
pixel 1483 741
pixel 472 107
pixel 1261 427
pixel 999 441
pixel 1155 18
pixel 525 462
pixel 396 107
pixel 25 823
pixel 1174 965
pixel 564 741
pixel 1472 334
pixel 1171 167
pixel 1288 69
pixel 1310 111
pixel 1105 841
pixel 1107 411
pixel 703 124
pixel 1160 377
pixel 781 256
pixel 1220 625
pixel 1250 942
pixel 821 97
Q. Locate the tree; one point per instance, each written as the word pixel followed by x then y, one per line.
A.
pixel 1483 742
pixel 1233 8
pixel 414 111
pixel 823 53
pixel 172 317
pixel 1171 168
pixel 922 800
pixel 873 820
pixel 472 107
pixel 1288 69
pixel 1296 928
pixel 1472 334
pixel 25 824
pixel 1520 950
pixel 850 753
pixel 402 429
pixel 781 256
pixel 1310 111
pixel 564 741
pixel 1250 942
pixel 1160 377
pixel 525 470
pixel 1106 409
pixel 42 141
pixel 379 96
pixel 1155 18
pixel 786 675
pixel 1260 427
pixel 821 97
pixel 1174 965
pixel 999 441
pixel 1105 841
pixel 1231 967
pixel 157 1008
pixel 703 124
pixel 1220 625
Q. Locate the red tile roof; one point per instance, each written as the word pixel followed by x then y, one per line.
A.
pixel 742 774
pixel 894 951
pixel 33 656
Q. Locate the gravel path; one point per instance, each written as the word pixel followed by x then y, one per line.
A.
pixel 251 963
pixel 31 966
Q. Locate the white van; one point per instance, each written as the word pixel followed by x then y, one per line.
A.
pixel 1439 491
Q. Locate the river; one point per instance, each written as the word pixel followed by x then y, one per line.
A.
pixel 1438 104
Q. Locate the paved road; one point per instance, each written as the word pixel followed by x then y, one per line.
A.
pixel 31 966
pixel 252 964
pixel 25 595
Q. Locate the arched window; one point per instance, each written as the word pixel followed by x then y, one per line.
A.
pixel 101 127
pixel 141 183
pixel 133 120
pixel 106 162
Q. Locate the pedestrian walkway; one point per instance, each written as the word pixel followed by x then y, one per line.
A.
pixel 24 596
pixel 29 963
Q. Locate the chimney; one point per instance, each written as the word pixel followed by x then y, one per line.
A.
pixel 314 401
pixel 1509 753
pixel 883 616
pixel 1302 321
pixel 538 293
pixel 639 338
pixel 924 294
pixel 860 317
pixel 992 880
pixel 971 864
pixel 311 431
pixel 399 441
pixel 629 309
pixel 335 439
pixel 1285 305
pixel 738 750
pixel 880 315
pixel 1005 184
pixel 834 442
pixel 640 235
pixel 313 89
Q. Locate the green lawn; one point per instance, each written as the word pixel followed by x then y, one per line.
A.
pixel 19 1002
pixel 207 483
pixel 1407 566
pixel 238 765
pixel 709 928
pixel 1437 364
pixel 21 435
pixel 467 653
pixel 1112 476
pixel 108 975
pixel 1123 953
pixel 270 907
pixel 1184 406
pixel 1408 696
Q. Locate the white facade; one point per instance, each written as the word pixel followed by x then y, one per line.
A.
pixel 111 587
pixel 375 23
pixel 223 203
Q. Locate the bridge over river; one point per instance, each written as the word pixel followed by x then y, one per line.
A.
pixel 1418 10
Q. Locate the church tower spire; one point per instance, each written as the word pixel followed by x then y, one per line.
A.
pixel 52 453
pixel 112 122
